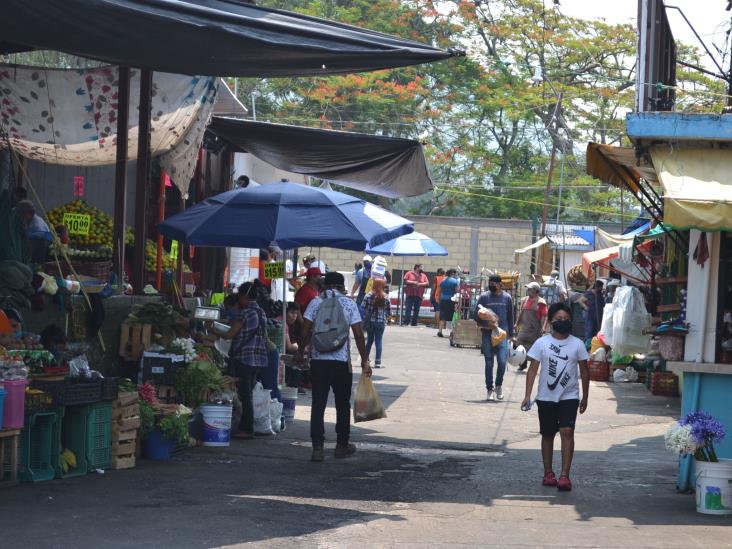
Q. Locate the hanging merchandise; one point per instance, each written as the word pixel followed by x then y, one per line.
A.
pixel 606 327
pixel 630 321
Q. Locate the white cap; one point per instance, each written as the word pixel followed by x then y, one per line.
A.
pixel 367 257
pixel 533 286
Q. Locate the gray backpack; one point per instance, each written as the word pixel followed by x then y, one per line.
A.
pixel 330 329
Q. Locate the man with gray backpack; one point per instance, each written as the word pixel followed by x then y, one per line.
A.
pixel 327 322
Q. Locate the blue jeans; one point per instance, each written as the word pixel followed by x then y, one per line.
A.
pixel 268 376
pixel 375 335
pixel 411 314
pixel 500 353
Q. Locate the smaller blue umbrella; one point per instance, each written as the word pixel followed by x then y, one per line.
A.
pixel 413 244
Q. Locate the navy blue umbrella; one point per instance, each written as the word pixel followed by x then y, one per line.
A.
pixel 287 214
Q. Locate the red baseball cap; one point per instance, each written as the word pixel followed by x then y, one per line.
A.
pixel 313 271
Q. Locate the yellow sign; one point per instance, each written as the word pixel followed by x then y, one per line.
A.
pixel 274 270
pixel 174 250
pixel 77 223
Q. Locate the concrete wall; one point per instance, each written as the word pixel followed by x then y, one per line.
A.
pixel 472 243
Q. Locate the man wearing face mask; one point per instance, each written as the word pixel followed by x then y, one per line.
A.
pixel 501 304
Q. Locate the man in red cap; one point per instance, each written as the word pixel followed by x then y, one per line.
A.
pixel 310 290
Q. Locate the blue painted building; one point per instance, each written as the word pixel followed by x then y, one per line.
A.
pixel 680 169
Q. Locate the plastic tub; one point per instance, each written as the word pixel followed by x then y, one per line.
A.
pixel 14 405
pixel 289 402
pixel 714 487
pixel 216 425
pixel 157 447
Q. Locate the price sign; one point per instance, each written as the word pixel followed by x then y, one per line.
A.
pixel 79 186
pixel 174 250
pixel 77 223
pixel 274 270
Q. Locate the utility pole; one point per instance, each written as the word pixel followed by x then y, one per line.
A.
pixel 549 176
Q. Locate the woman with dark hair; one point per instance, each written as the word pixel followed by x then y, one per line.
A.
pixel 563 359
pixel 377 311
pixel 248 354
pixel 293 326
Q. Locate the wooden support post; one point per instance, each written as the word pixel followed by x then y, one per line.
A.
pixel 142 182
pixel 181 248
pixel 161 218
pixel 120 173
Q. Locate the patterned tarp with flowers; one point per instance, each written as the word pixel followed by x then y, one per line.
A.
pixel 70 116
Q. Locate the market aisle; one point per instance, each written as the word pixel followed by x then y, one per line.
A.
pixel 445 468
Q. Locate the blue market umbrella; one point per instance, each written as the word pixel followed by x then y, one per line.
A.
pixel 288 214
pixel 414 244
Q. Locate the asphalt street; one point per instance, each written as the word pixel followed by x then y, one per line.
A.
pixel 445 469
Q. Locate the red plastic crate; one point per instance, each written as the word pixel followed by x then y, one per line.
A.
pixel 599 371
pixel 665 384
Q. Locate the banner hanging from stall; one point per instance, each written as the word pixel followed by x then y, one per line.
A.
pixel 69 117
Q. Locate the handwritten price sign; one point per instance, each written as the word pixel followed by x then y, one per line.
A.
pixel 77 223
pixel 274 270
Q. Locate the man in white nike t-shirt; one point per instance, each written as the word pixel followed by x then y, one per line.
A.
pixel 563 359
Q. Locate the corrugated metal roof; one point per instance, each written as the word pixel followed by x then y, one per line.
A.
pixel 567 240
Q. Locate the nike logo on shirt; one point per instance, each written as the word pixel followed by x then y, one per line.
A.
pixel 553 385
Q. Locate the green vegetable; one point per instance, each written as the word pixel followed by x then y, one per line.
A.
pixel 147 419
pixel 195 380
pixel 175 427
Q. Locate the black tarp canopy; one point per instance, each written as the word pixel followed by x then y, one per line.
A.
pixel 386 166
pixel 204 37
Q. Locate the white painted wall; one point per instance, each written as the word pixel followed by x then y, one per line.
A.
pixel 701 303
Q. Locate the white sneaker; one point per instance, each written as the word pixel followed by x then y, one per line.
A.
pixel 491 395
pixel 499 393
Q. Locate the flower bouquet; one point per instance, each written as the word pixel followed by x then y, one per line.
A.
pixel 695 435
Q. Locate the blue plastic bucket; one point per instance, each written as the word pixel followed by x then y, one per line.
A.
pixel 157 447
pixel 289 402
pixel 216 425
pixel 2 403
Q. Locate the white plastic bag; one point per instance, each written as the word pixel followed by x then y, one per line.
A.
pixel 606 328
pixel 262 419
pixel 630 320
pixel 275 412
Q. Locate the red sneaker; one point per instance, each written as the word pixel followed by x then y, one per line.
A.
pixel 549 479
pixel 564 484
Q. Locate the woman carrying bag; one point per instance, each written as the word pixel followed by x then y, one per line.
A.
pixel 248 354
pixel 377 311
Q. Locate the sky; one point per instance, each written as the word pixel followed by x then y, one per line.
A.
pixel 708 22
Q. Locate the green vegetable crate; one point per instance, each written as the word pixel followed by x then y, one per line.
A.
pixel 72 435
pixel 37 448
pixel 99 436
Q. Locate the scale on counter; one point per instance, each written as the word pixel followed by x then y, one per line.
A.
pixel 207 313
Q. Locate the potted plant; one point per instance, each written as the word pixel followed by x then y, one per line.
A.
pixel 695 435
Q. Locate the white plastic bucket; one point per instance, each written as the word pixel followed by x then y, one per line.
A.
pixel 216 425
pixel 289 401
pixel 714 487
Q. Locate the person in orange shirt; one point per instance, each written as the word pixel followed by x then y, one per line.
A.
pixel 435 294
pixel 5 327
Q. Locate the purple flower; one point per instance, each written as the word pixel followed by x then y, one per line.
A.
pixel 704 428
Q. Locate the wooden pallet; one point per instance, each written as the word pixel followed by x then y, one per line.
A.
pixel 133 340
pixel 123 462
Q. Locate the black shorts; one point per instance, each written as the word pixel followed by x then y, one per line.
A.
pixel 447 309
pixel 555 415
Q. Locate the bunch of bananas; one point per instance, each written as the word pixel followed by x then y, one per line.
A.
pixel 67 460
